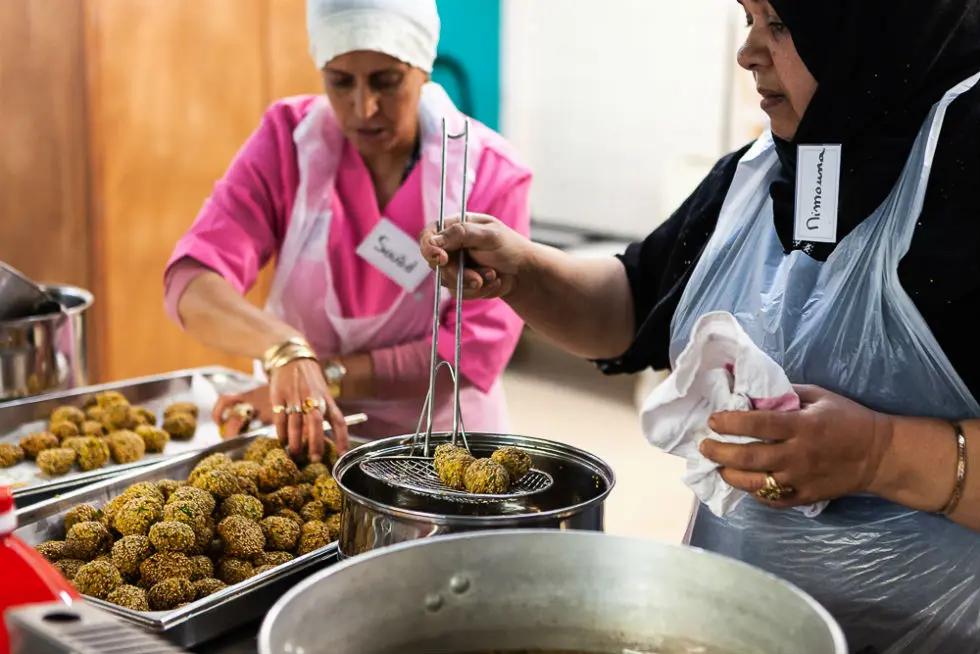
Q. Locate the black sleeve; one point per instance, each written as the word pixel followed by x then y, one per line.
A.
pixel 659 266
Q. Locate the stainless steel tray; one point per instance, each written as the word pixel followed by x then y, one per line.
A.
pixel 202 386
pixel 208 617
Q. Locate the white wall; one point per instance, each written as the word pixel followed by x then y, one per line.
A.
pixel 621 106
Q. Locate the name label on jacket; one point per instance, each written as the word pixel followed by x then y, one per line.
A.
pixel 396 254
pixel 817 193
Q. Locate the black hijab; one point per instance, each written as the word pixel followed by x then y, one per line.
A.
pixel 881 65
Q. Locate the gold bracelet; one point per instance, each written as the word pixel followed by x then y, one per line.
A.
pixel 954 499
pixel 286 352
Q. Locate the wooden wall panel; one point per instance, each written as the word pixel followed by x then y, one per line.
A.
pixel 176 86
pixel 291 69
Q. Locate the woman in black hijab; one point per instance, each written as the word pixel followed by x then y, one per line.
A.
pixel 868 300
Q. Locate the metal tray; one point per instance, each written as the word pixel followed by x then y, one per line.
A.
pixel 202 386
pixel 206 618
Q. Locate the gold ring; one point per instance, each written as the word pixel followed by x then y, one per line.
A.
pixel 311 404
pixel 773 490
pixel 293 409
pixel 279 408
pixel 244 410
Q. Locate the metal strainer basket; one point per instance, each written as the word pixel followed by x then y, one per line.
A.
pixel 416 471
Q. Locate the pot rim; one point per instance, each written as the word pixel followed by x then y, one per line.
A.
pixel 87 298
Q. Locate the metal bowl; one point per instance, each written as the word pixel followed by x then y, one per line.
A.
pixel 375 514
pixel 546 591
pixel 47 352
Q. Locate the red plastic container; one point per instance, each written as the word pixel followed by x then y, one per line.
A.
pixel 27 576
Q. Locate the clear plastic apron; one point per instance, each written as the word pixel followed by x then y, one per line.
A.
pixel 899 581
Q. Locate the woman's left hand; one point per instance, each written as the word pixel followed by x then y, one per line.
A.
pixel 832 447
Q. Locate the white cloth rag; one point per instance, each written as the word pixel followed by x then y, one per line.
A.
pixel 721 369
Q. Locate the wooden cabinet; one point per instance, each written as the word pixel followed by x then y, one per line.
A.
pixel 116 118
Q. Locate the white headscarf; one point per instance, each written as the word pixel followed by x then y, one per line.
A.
pixel 407 30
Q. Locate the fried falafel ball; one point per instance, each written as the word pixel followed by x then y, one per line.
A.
pixel 93 428
pixel 126 446
pixel 247 486
pixel 81 513
pixel 306 491
pixel 180 426
pixel 70 414
pixel 129 552
pixel 290 497
pixel 109 510
pixel 172 537
pixel 64 430
pixel 147 489
pixel 11 454
pixel 220 482
pixel 272 558
pixel 484 477
pixel 243 538
pixel 187 511
pixel 129 597
pixel 313 536
pixel 232 570
pixel 69 567
pixel 203 567
pixel 94 413
pixel 278 470
pixel 212 462
pixel 452 468
pixel 144 416
pixel 247 469
pixel 52 550
pixel 292 515
pixel 444 451
pixel 257 450
pixel 311 471
pixel 182 407
pixel 333 526
pixel 137 516
pixel 97 579
pixel 154 439
pixel 166 565
pixel 90 451
pixel 56 461
pixel 168 486
pixel 36 443
pixel 313 510
pixel 170 593
pixel 196 495
pixel 117 417
pixel 209 586
pixel 110 398
pixel 243 505
pixel 281 534
pixel 327 492
pixel 517 461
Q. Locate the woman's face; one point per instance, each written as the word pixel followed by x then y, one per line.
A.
pixel 781 77
pixel 376 100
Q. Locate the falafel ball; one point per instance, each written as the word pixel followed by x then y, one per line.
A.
pixel 129 552
pixel 281 534
pixel 168 486
pixel 290 497
pixel 110 398
pixel 126 446
pixel 118 417
pixel 306 491
pixel 311 471
pixel 81 513
pixel 56 461
pixel 232 570
pixel 517 461
pixel 272 558
pixel 70 414
pixel 257 450
pixel 147 489
pixel 172 537
pixel 189 512
pixel 203 567
pixel 129 597
pixel 313 536
pixel 154 440
pixel 93 428
pixel 97 579
pixel 180 426
pixel 94 413
pixel 36 443
pixel 144 416
pixel 90 451
pixel 170 593
pixel 11 454
pixel 445 451
pixel 220 482
pixel 109 510
pixel 69 567
pixel 64 429
pixel 182 407
pixel 196 495
pixel 484 477
pixel 243 505
pixel 313 510
pixel 52 550
pixel 211 462
pixel 247 486
pixel 278 470
pixel 292 515
pixel 263 568
pixel 333 526
pixel 137 516
pixel 243 538
pixel 209 586
pixel 248 469
pixel 166 565
pixel 452 468
pixel 327 492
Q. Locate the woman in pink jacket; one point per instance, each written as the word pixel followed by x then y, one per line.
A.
pixel 337 189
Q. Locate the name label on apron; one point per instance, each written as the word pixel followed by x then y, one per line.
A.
pixel 394 253
pixel 817 192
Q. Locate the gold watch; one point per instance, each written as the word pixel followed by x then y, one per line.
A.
pixel 334 372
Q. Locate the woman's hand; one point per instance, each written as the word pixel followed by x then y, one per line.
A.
pixel 230 412
pixel 832 447
pixel 298 387
pixel 495 255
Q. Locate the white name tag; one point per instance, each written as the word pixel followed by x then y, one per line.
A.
pixel 817 193
pixel 394 253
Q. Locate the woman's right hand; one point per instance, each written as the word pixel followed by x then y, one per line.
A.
pixel 495 255
pixel 290 387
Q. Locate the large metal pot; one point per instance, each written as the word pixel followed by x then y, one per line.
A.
pixel 546 591
pixel 46 353
pixel 376 515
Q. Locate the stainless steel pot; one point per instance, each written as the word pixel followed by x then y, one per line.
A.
pixel 45 353
pixel 376 515
pixel 546 591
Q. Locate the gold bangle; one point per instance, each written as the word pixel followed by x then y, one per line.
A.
pixel 286 352
pixel 954 499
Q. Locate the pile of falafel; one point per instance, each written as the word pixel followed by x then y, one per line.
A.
pixel 107 428
pixel 160 545
pixel 459 470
